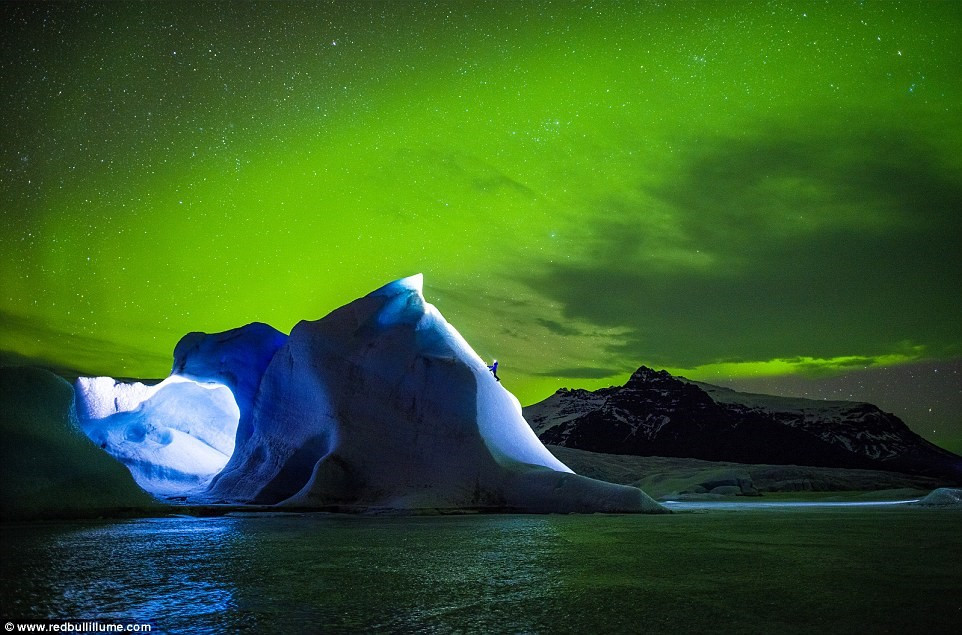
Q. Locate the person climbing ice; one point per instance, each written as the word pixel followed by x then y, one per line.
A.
pixel 494 370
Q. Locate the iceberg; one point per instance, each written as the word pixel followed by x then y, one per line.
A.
pixel 943 497
pixel 381 404
pixel 48 468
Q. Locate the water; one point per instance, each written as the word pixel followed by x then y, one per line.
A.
pixel 742 505
pixel 793 571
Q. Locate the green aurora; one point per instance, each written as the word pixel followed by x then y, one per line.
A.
pixel 762 194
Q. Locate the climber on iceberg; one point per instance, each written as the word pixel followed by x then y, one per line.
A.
pixel 494 370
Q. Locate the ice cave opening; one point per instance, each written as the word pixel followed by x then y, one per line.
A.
pixel 174 436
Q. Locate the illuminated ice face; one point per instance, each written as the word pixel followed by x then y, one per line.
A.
pixel 174 436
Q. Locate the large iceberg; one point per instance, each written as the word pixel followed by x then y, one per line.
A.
pixel 379 405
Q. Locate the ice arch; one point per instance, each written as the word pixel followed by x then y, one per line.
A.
pixel 173 436
pixel 177 435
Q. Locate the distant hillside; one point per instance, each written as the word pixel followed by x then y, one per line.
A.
pixel 673 477
pixel 657 414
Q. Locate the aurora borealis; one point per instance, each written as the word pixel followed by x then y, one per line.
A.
pixel 764 195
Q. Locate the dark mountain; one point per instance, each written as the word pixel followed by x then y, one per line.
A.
pixel 657 414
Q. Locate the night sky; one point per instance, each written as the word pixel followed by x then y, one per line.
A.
pixel 764 195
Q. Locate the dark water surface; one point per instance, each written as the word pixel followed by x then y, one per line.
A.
pixel 798 570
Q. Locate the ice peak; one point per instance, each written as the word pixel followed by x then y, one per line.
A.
pixel 415 282
pixel 402 286
pixel 401 301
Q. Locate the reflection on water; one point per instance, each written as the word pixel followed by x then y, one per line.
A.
pixel 185 574
pixel 138 570
pixel 689 572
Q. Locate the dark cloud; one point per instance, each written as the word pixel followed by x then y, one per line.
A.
pixel 465 169
pixel 829 367
pixel 13 358
pixel 495 182
pixel 486 302
pixel 557 327
pixel 586 372
pixel 807 244
pixel 78 354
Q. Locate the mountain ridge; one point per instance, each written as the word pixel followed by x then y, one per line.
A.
pixel 657 414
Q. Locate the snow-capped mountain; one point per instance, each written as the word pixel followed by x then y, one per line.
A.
pixel 657 414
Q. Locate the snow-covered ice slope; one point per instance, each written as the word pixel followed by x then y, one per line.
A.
pixel 943 497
